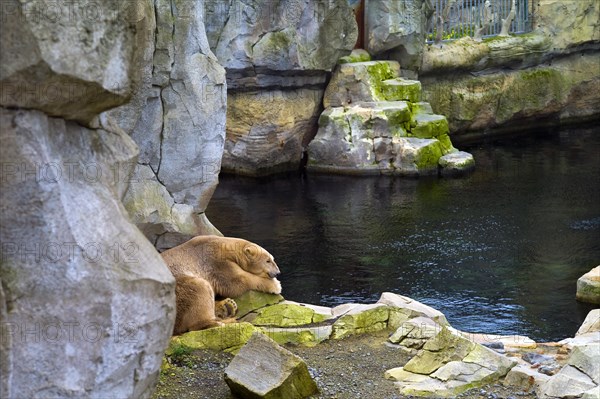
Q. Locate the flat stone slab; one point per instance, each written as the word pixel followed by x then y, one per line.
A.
pixel 588 287
pixel 456 163
pixel 263 369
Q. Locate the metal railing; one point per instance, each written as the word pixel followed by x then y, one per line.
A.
pixel 453 19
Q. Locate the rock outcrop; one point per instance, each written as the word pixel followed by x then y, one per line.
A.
pixel 375 123
pixel 442 361
pixel 588 287
pixel 277 56
pixel 501 84
pixel 177 118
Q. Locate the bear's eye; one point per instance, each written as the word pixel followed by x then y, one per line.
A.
pixel 269 261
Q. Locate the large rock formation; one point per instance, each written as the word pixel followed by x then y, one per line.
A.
pixel 277 56
pixel 375 122
pixel 177 117
pixel 86 303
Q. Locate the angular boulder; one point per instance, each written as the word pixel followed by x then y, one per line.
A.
pixel 588 287
pixel 359 82
pixel 263 369
pixel 361 319
pixel 43 66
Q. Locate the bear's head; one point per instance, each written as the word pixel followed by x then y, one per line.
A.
pixel 259 262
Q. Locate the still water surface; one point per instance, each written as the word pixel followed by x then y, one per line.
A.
pixel 498 252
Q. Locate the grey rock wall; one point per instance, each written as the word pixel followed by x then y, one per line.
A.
pixel 177 118
pixel 277 55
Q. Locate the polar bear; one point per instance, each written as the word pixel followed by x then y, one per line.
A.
pixel 206 267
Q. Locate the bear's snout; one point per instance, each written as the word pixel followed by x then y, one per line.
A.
pixel 274 274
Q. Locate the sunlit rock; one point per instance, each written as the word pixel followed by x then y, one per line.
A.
pixel 588 286
pixel 591 323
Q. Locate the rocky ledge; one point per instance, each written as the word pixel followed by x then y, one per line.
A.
pixel 430 358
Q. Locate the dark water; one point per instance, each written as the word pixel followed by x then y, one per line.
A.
pixel 498 252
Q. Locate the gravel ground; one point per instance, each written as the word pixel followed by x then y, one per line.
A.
pixel 350 368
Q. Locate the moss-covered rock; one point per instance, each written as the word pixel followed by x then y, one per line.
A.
pixel 514 100
pixel 308 336
pixel 448 365
pixel 357 55
pixel 415 156
pixel 229 338
pixel 287 315
pixel 359 82
pixel 263 369
pixel 456 163
pixel 401 89
pixel 361 319
pixel 253 300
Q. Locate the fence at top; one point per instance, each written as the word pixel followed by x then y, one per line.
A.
pixel 460 18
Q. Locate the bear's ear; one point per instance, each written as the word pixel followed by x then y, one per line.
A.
pixel 251 251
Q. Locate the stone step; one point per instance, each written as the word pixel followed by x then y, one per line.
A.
pixel 359 81
pixel 401 89
pixel 369 119
pixel 429 126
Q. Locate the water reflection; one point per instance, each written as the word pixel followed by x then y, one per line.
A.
pixel 497 252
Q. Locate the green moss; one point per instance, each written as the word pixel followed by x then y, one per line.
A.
pixel 379 72
pixel 428 157
pixel 287 315
pixel 401 90
pixel 278 41
pixel 229 337
pixel 370 320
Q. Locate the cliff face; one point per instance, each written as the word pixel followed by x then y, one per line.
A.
pixel 277 55
pixel 177 118
pixel 102 104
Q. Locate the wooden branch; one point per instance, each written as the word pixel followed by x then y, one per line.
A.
pixel 508 21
